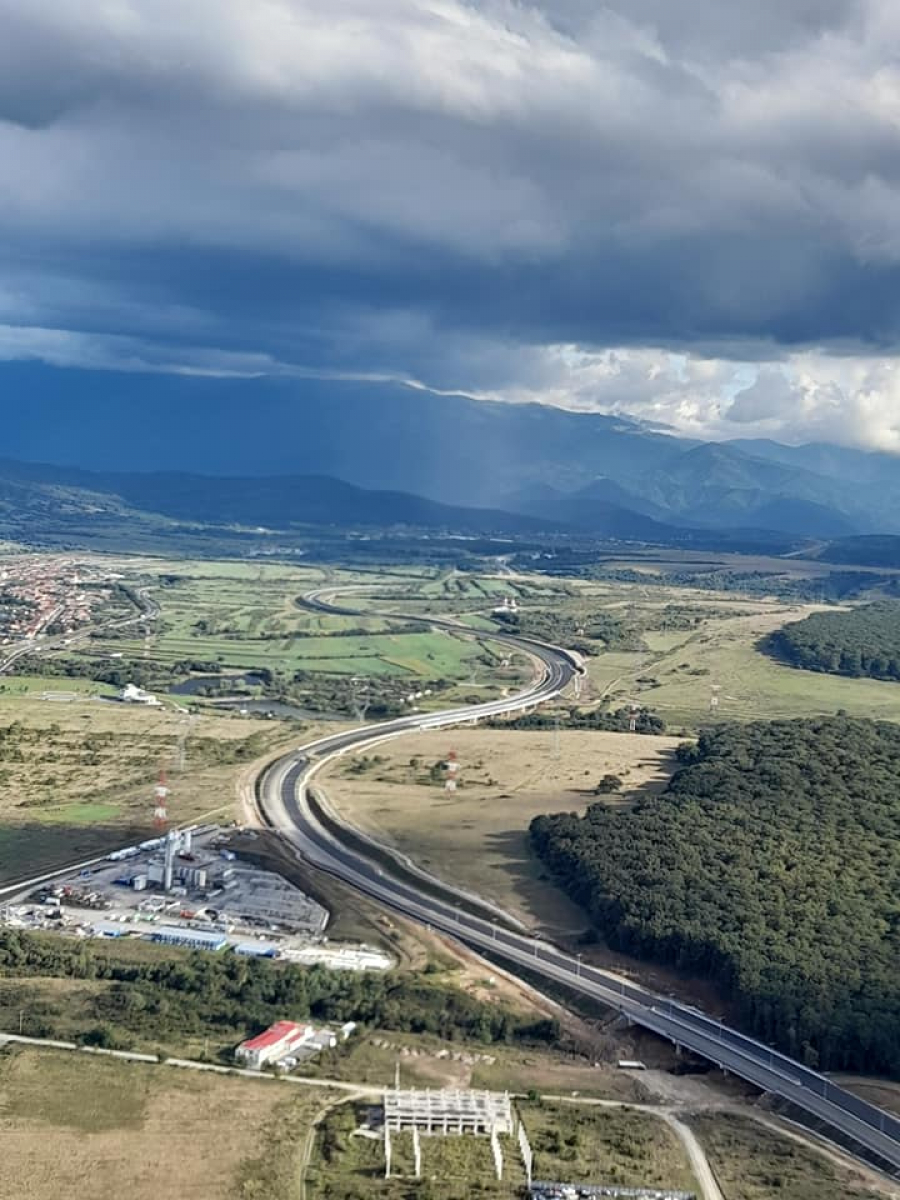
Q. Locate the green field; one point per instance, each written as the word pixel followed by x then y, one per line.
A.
pixel 680 671
pixel 77 776
pixel 250 618
pixel 34 686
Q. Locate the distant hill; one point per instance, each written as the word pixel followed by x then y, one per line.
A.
pixel 65 505
pixel 871 551
pixel 36 497
pixel 449 448
pixel 588 512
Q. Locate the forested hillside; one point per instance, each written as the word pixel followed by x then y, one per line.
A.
pixel 771 865
pixel 862 642
pixel 868 550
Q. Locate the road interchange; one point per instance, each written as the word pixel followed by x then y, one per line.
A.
pixel 287 807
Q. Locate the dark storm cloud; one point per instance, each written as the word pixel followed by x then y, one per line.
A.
pixel 446 190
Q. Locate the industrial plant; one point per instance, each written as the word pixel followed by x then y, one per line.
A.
pixel 187 888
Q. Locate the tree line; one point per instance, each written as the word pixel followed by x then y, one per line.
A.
pixel 617 721
pixel 770 865
pixel 202 993
pixel 864 642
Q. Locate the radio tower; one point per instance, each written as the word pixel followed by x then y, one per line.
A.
pixel 452 767
pixel 160 815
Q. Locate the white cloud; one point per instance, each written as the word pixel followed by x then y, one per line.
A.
pixel 808 396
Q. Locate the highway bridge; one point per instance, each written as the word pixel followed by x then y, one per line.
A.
pixel 286 806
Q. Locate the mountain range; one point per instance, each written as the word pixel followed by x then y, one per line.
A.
pixel 42 503
pixel 38 501
pixel 585 471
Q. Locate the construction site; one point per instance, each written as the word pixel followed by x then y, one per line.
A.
pixel 420 1115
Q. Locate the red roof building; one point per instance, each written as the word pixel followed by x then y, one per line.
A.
pixel 274 1043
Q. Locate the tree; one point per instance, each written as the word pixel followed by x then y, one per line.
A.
pixel 608 784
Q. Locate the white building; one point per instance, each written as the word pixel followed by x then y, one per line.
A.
pixel 131 694
pixel 277 1042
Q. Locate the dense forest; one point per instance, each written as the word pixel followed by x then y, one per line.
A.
pixel 171 997
pixel 770 865
pixel 862 642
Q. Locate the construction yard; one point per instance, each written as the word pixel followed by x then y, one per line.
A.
pixel 477 835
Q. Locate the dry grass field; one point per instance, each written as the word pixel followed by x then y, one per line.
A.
pixel 754 1163
pixel 677 674
pixel 78 776
pixel 882 1092
pixel 60 758
pixel 478 835
pixel 73 1125
pixel 426 1061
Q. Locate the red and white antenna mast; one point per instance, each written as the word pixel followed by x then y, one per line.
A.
pixel 160 813
pixel 452 767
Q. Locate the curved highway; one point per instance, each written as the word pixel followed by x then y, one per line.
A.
pixel 285 806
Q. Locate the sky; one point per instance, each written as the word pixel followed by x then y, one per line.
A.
pixel 683 212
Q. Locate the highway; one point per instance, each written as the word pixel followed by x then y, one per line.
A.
pixel 284 796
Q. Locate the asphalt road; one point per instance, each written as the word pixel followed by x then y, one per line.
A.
pixel 285 806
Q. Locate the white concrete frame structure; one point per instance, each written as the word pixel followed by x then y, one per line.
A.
pixel 448 1111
